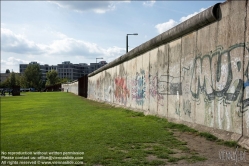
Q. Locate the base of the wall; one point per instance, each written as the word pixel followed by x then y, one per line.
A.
pixel 221 134
pixel 244 142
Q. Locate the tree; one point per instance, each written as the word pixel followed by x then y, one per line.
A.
pixel 7 71
pixel 33 76
pixel 52 77
pixel 6 83
pixel 22 82
pixel 12 79
pixel 63 80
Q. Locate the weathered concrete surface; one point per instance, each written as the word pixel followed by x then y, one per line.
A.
pixel 246 77
pixel 192 74
pixel 146 67
pixel 72 87
pixel 153 84
pixel 174 79
pixel 188 109
pixel 108 86
pixel 159 85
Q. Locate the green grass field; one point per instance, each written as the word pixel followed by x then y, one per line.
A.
pixel 63 122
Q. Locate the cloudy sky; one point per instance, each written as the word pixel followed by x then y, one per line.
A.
pixel 50 32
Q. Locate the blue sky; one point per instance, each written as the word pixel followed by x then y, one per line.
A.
pixel 50 32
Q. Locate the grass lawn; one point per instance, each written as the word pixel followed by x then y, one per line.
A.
pixel 63 122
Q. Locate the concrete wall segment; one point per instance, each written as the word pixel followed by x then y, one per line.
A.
pixel 133 83
pixel 146 68
pixel 229 64
pixel 72 87
pixel 203 67
pixel 112 72
pixel 153 82
pixel 246 76
pixel 188 109
pixel 174 79
pixel 158 91
pixel 108 89
pixel 129 75
pixel 140 84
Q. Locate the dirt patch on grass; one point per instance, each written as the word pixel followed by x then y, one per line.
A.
pixel 152 158
pixel 215 154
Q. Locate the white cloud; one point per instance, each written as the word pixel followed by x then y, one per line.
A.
pixel 70 46
pixel 171 23
pixel 64 46
pixel 11 42
pixel 149 3
pixel 73 47
pixel 58 34
pixel 114 51
pixel 86 6
pixel 165 26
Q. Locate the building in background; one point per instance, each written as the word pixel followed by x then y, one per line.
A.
pixel 4 77
pixel 44 69
pixel 66 69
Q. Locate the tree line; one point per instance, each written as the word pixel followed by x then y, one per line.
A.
pixel 32 78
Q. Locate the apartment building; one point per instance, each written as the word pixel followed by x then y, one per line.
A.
pixel 72 71
pixel 4 77
pixel 44 68
pixel 67 69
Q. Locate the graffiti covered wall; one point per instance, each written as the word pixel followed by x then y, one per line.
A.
pixel 201 77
